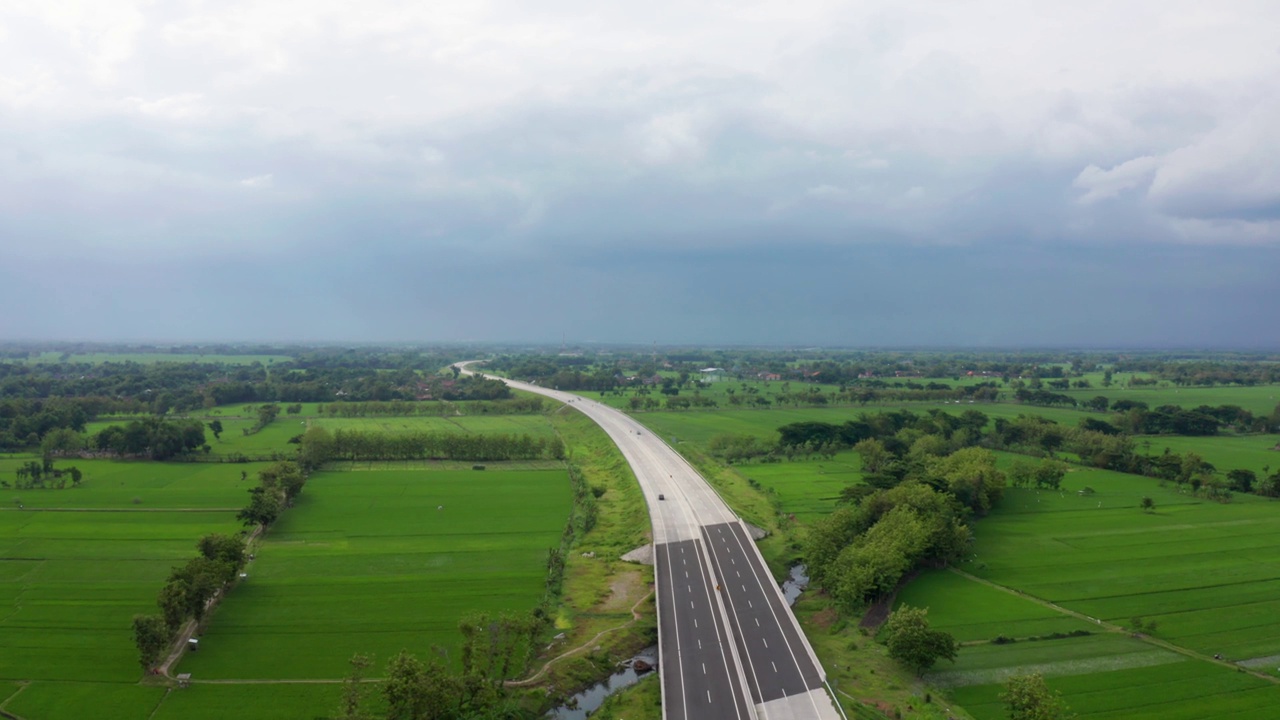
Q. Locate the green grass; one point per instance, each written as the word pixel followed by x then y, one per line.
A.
pixel 104 701
pixel 366 563
pixel 971 611
pixel 116 484
pixel 1184 690
pixel 642 701
pixel 1257 399
pixel 1204 572
pixel 1226 452
pixel 254 702
pixel 70 583
pixel 809 489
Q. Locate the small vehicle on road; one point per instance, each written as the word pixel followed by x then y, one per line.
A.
pixel 661 496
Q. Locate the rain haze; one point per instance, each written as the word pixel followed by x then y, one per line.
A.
pixel 872 173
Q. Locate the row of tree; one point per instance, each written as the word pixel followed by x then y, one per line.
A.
pixel 187 594
pixel 404 408
pixel 319 445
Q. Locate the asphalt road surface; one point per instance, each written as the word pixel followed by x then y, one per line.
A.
pixel 728 644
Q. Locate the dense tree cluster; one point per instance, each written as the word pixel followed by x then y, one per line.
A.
pixel 153 438
pixel 859 553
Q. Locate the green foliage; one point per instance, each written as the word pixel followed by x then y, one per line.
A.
pixel 913 643
pixel 153 438
pixel 415 690
pixel 1028 698
pixel 317 448
pixel 151 636
pixel 860 553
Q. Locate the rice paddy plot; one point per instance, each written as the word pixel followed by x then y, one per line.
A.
pixel 1226 452
pixel 973 611
pixel 809 489
pixel 376 562
pixel 1207 573
pixel 137 486
pixel 994 664
pixel 1257 399
pixel 1177 690
pixel 70 583
pixel 101 701
pixel 255 701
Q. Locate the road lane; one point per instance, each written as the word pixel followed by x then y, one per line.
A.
pixel 736 650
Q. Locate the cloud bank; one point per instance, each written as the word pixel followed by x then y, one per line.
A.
pixel 316 136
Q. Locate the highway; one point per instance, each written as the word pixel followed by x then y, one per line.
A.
pixel 728 644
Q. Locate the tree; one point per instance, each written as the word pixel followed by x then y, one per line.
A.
pixel 873 454
pixel 1029 698
pixel 152 636
pixel 1148 505
pixel 352 690
pixel 263 508
pixel 419 691
pixel 1242 480
pixel 173 603
pixel 913 643
pixel 222 548
pixel 215 427
pixel 1049 474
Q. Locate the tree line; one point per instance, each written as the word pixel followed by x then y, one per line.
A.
pixel 187 595
pixel 192 588
pixel 318 445
pixel 406 408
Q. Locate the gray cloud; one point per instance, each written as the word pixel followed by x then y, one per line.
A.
pixel 444 149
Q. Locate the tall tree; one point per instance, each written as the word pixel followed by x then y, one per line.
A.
pixel 913 643
pixel 1028 698
pixel 151 637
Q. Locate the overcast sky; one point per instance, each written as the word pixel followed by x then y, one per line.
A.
pixel 916 172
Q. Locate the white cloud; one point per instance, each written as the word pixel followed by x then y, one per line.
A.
pixel 1233 172
pixel 1163 108
pixel 1100 184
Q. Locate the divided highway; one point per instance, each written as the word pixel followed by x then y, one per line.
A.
pixel 728 644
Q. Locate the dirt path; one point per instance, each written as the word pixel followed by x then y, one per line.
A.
pixel 179 647
pixel 635 616
pixel 1109 627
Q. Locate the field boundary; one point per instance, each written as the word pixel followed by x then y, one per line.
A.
pixel 1112 628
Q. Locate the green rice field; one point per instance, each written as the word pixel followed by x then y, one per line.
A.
pixel 77 564
pixel 380 561
pixel 1207 573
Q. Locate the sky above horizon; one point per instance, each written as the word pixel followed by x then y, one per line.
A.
pixel 876 173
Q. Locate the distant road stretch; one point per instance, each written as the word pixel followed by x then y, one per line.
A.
pixel 728 644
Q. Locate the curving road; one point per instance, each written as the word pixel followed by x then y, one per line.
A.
pixel 729 646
